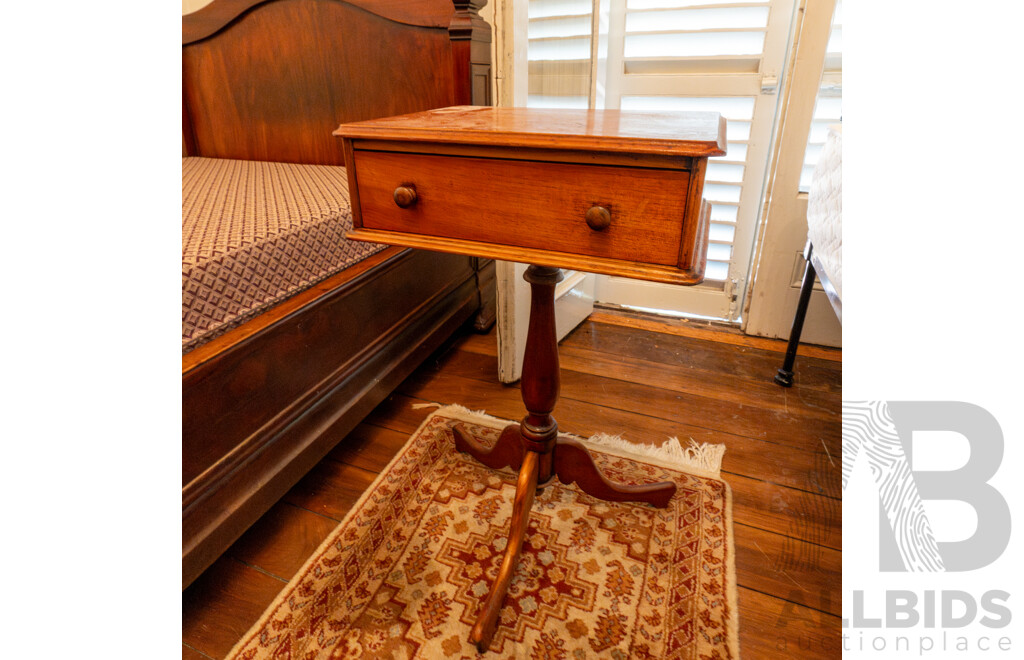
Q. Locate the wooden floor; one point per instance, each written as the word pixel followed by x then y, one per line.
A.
pixel 619 376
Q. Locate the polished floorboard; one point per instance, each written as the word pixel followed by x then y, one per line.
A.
pixel 647 380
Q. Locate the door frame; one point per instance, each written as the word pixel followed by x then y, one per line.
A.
pixel 777 266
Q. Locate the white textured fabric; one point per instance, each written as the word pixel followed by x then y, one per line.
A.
pixel 825 209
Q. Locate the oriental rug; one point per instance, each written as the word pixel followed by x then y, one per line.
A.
pixel 405 573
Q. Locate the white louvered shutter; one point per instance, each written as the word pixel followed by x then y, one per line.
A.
pixel 724 56
pixel 559 53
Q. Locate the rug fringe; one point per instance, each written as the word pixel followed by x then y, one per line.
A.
pixel 703 458
pixel 449 407
pixel 455 410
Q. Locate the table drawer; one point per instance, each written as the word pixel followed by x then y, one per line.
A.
pixel 528 204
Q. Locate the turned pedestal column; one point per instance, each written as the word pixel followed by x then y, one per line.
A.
pixel 533 447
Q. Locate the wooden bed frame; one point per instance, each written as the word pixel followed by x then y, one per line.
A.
pixel 270 80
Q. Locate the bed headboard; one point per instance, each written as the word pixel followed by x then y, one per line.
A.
pixel 271 79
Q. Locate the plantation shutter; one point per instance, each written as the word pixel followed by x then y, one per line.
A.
pixel 559 53
pixel 723 56
pixel 682 47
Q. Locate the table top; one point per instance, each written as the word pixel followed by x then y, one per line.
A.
pixel 700 134
pixel 604 191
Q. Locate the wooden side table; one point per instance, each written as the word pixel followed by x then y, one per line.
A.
pixel 612 192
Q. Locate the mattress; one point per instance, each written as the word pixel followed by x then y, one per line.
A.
pixel 253 234
pixel 825 210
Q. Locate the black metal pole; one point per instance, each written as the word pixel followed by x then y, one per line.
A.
pixel 784 376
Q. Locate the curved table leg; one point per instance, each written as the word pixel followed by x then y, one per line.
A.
pixel 574 463
pixel 506 452
pixel 487 621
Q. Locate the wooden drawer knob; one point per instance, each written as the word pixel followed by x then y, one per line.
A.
pixel 598 218
pixel 405 196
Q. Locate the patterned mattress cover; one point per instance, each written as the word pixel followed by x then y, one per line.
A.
pixel 825 209
pixel 254 233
